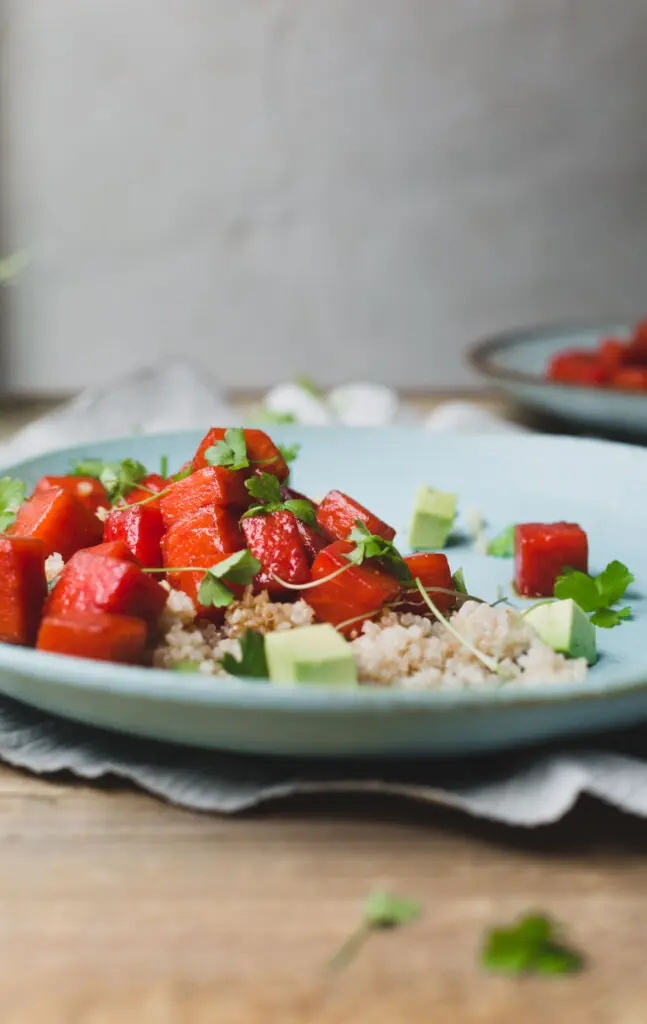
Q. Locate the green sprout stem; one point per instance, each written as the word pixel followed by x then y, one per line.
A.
pixel 485 659
pixel 313 583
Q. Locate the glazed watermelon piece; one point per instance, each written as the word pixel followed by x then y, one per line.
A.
pixel 542 551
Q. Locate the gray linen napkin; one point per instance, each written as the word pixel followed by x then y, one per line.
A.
pixel 527 788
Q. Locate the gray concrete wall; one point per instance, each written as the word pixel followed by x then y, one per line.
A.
pixel 343 187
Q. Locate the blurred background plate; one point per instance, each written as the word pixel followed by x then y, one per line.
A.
pixel 515 363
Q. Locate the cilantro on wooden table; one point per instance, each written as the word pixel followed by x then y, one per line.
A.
pixel 267 490
pixel 532 945
pixel 12 495
pixel 596 595
pixel 502 546
pixel 371 545
pixel 118 478
pixel 231 452
pixel 252 662
pixel 382 910
pixel 241 567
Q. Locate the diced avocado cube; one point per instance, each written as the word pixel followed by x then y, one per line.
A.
pixel 310 654
pixel 433 517
pixel 563 626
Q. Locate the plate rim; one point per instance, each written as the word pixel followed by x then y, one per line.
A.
pixel 481 354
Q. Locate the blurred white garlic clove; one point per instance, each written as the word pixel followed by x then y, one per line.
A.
pixel 297 401
pixel 467 418
pixel 364 405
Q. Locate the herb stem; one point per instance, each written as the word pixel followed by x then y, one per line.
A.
pixel 164 466
pixel 485 659
pixel 313 583
pixel 145 501
pixel 349 948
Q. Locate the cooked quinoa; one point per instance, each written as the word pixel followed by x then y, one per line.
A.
pixel 401 650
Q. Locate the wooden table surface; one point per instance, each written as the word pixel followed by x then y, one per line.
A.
pixel 116 907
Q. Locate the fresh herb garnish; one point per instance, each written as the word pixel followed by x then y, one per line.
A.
pixel 118 478
pixel 370 545
pixel 230 452
pixel 182 474
pixel 185 665
pixel 12 494
pixel 530 946
pixel 596 594
pixel 267 489
pixel 289 452
pixel 164 466
pixel 381 911
pixel 252 661
pixel 309 385
pixel 502 546
pixel 265 415
pixel 241 567
pixel 458 579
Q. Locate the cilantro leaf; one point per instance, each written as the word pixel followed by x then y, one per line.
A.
pixel 581 587
pixel 302 509
pixel 502 546
pixel 309 385
pixel 289 452
pixel 370 545
pixel 613 581
pixel 607 618
pixel 382 910
pixel 530 946
pixel 88 467
pixel 230 452
pixel 597 594
pixel 265 415
pixel 252 662
pixel 458 579
pixel 241 567
pixel 265 487
pixel 12 494
pixel 118 478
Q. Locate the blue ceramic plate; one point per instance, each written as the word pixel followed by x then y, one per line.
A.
pixel 601 485
pixel 515 363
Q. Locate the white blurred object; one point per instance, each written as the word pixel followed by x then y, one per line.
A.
pixel 177 394
pixel 300 403
pixel 364 405
pixel 465 417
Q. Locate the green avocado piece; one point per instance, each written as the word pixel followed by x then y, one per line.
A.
pixel 564 627
pixel 434 513
pixel 310 654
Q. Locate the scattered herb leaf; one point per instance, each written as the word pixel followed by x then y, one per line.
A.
pixel 252 661
pixel 309 385
pixel 289 452
pixel 265 415
pixel 597 594
pixel 241 567
pixel 12 494
pixel 230 452
pixel 267 489
pixel 381 910
pixel 185 665
pixel 502 546
pixel 370 545
pixel 118 478
pixel 530 946
pixel 458 579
